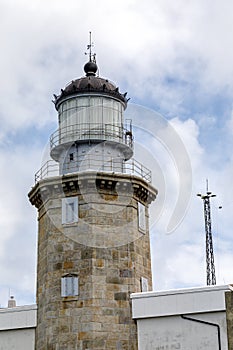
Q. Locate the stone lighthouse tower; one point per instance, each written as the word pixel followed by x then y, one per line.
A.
pixel 93 237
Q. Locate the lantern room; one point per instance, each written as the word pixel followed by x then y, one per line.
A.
pixel 91 133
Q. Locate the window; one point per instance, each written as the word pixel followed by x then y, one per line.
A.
pixel 141 217
pixel 69 210
pixel 71 157
pixel 144 284
pixel 69 285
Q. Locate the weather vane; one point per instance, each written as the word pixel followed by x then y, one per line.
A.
pixel 91 55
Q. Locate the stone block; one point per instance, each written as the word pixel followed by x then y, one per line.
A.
pixel 87 253
pixel 126 273
pixel 83 335
pixel 68 265
pixel 114 280
pixel 229 317
pixel 57 266
pixel 121 296
pixel 113 287
pixel 100 262
pixel 115 255
pixel 109 311
pixel 125 319
pixel 97 344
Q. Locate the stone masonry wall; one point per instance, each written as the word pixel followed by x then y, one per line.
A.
pixel 107 251
pixel 229 316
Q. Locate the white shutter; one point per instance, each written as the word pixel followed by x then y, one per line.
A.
pixel 75 285
pixel 69 286
pixel 141 216
pixel 63 287
pixel 69 210
pixel 144 284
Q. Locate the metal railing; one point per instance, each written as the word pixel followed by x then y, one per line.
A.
pixel 48 169
pixel 91 131
pixel 89 162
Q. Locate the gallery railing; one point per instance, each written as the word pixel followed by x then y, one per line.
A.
pixel 91 162
pixel 91 131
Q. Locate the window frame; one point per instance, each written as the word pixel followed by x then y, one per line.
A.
pixel 142 217
pixel 70 212
pixel 144 284
pixel 69 285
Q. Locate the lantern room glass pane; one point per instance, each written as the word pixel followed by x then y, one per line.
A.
pixel 91 117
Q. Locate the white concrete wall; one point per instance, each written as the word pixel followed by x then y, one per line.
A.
pixel 21 339
pixel 161 327
pixel 173 332
pixel 17 328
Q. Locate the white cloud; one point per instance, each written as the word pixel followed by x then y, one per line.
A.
pixel 179 258
pixel 149 42
pixel 175 55
pixel 18 224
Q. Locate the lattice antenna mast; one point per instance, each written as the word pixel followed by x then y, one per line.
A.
pixel 89 48
pixel 210 268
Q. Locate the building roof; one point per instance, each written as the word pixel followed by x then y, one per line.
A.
pixel 180 301
pixel 18 317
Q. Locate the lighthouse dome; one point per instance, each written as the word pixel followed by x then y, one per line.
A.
pixel 90 84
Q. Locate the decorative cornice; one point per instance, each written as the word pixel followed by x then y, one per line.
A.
pixel 89 182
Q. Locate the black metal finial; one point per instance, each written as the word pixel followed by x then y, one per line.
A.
pixel 89 47
pixel 90 67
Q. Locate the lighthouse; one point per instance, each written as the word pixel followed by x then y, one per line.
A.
pixel 93 201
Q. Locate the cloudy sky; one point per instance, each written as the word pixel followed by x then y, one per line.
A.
pixel 173 57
